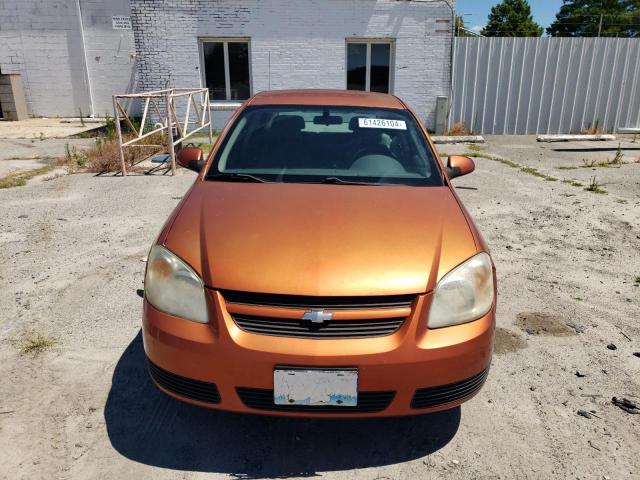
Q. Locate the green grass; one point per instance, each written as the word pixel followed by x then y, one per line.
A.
pixel 510 163
pixel 205 147
pixel 573 183
pixel 36 344
pixel 19 179
pixel 566 167
pixel 536 173
pixel 501 160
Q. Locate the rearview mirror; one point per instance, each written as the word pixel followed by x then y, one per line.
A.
pixel 327 120
pixel 191 158
pixel 458 165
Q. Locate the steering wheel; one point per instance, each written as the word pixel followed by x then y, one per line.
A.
pixel 374 149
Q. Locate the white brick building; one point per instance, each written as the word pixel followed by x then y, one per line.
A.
pixel 240 47
pixel 70 57
pixel 73 55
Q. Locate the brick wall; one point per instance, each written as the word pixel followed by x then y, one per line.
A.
pixel 42 40
pixel 297 44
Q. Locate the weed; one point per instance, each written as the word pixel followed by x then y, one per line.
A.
pixel 566 167
pixel 593 129
pixel 594 186
pixel 504 161
pixel 36 344
pixel 579 299
pixel 475 148
pixel 588 163
pixel 617 160
pixel 573 183
pixel 621 200
pixel 105 155
pixel 531 171
pixel 109 127
pixel 636 279
pixel 74 158
pixel 456 129
pixel 81 118
pixel 536 173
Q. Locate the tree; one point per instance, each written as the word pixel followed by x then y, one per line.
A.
pixel 511 18
pixel 594 18
pixel 461 30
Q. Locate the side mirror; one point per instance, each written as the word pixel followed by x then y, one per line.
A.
pixel 191 158
pixel 457 165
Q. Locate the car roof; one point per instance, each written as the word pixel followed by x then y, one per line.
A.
pixel 327 97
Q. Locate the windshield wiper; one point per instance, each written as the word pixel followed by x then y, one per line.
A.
pixel 341 181
pixel 237 177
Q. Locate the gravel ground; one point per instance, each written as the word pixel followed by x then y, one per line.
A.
pixel 71 265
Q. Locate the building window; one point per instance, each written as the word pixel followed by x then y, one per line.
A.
pixel 226 69
pixel 369 65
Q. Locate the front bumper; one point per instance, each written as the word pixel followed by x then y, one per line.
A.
pixel 412 371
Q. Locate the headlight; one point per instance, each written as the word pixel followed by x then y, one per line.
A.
pixel 172 286
pixel 464 294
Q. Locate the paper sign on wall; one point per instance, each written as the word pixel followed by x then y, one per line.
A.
pixel 121 22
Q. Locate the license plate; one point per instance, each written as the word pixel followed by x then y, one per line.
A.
pixel 315 387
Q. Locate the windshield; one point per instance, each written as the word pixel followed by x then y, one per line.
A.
pixel 326 144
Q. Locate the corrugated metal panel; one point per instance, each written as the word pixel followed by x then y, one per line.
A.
pixel 546 85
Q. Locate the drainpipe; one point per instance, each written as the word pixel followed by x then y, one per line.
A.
pixel 85 62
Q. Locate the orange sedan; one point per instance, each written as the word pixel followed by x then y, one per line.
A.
pixel 321 265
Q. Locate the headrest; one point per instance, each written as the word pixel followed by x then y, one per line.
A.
pixel 288 123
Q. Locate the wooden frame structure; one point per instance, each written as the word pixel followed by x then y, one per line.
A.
pixel 185 110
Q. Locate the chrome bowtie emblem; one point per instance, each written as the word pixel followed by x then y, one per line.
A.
pixel 317 316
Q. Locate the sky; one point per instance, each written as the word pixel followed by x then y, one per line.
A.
pixel 544 11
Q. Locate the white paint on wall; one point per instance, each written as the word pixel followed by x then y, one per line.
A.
pixel 299 44
pixel 42 41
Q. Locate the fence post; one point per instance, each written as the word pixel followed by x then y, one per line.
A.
pixel 116 117
pixel 172 152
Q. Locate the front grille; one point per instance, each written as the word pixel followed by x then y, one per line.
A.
pixel 262 399
pixel 436 396
pixel 332 303
pixel 185 387
pixel 295 328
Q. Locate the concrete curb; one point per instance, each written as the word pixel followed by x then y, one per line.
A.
pixel 457 139
pixel 574 138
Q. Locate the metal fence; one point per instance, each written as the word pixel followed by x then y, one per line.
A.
pixel 546 85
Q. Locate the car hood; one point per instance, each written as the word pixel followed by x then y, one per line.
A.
pixel 324 240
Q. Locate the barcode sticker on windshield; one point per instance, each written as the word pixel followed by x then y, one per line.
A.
pixel 381 123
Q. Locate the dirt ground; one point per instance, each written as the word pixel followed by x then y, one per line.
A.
pixel 71 266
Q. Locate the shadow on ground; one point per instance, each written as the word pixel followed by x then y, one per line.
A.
pixel 149 427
